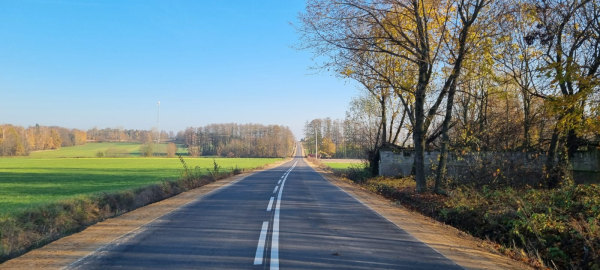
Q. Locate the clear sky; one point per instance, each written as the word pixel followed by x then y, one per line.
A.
pixel 106 63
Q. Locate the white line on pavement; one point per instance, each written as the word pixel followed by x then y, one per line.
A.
pixel 279 182
pixel 270 204
pixel 260 249
pixel 275 190
pixel 275 235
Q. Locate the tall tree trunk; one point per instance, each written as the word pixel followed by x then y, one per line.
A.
pixel 441 169
pixel 527 120
pixel 572 143
pixel 383 122
pixel 373 156
pixel 552 152
pixel 453 78
pixel 419 139
pixel 406 139
pixel 399 127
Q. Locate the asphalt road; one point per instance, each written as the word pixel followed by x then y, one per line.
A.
pixel 287 217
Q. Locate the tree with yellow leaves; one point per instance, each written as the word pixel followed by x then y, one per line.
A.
pixel 328 147
pixel 425 40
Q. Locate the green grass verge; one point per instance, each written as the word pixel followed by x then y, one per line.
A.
pixel 27 183
pixel 340 165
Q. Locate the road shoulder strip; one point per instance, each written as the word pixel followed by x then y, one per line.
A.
pixel 465 250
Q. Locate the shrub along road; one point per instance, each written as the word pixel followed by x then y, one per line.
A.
pixel 288 217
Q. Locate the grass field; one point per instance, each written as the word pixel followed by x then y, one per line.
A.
pixel 28 182
pixel 90 150
pixel 341 165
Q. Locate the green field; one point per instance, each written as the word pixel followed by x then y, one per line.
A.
pixel 341 165
pixel 90 150
pixel 27 182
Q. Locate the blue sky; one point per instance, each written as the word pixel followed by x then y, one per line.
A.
pixel 80 64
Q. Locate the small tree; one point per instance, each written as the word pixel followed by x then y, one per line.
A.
pixel 147 149
pixel 328 147
pixel 171 150
pixel 193 151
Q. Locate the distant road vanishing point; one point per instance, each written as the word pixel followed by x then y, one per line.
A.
pixel 288 217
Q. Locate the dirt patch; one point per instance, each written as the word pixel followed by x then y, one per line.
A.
pixel 467 251
pixel 66 250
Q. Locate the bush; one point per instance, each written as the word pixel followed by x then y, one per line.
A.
pixel 99 154
pixel 193 151
pixel 358 173
pixel 171 149
pixel 116 153
pixel 147 150
pixel 236 170
pixel 214 173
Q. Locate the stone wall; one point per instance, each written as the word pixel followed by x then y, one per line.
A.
pixel 586 165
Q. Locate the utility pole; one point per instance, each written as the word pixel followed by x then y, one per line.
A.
pixel 158 120
pixel 316 143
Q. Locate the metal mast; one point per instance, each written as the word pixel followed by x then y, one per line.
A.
pixel 158 120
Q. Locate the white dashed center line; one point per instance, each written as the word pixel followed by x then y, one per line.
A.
pixel 275 235
pixel 260 249
pixel 270 204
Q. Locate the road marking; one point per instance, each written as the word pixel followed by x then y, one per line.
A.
pixel 279 182
pixel 275 234
pixel 275 190
pixel 260 249
pixel 270 204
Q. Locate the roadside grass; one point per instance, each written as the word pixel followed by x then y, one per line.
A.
pixel 42 200
pixel 26 183
pixel 339 165
pixel 90 150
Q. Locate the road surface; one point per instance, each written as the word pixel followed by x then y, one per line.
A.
pixel 288 217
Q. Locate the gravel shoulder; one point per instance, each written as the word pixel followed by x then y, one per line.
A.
pixel 467 251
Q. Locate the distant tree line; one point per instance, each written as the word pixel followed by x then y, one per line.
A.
pixel 19 141
pixel 238 140
pixel 337 138
pixel 361 132
pixel 127 135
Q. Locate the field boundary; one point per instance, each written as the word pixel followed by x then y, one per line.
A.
pixel 465 250
pixel 66 250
